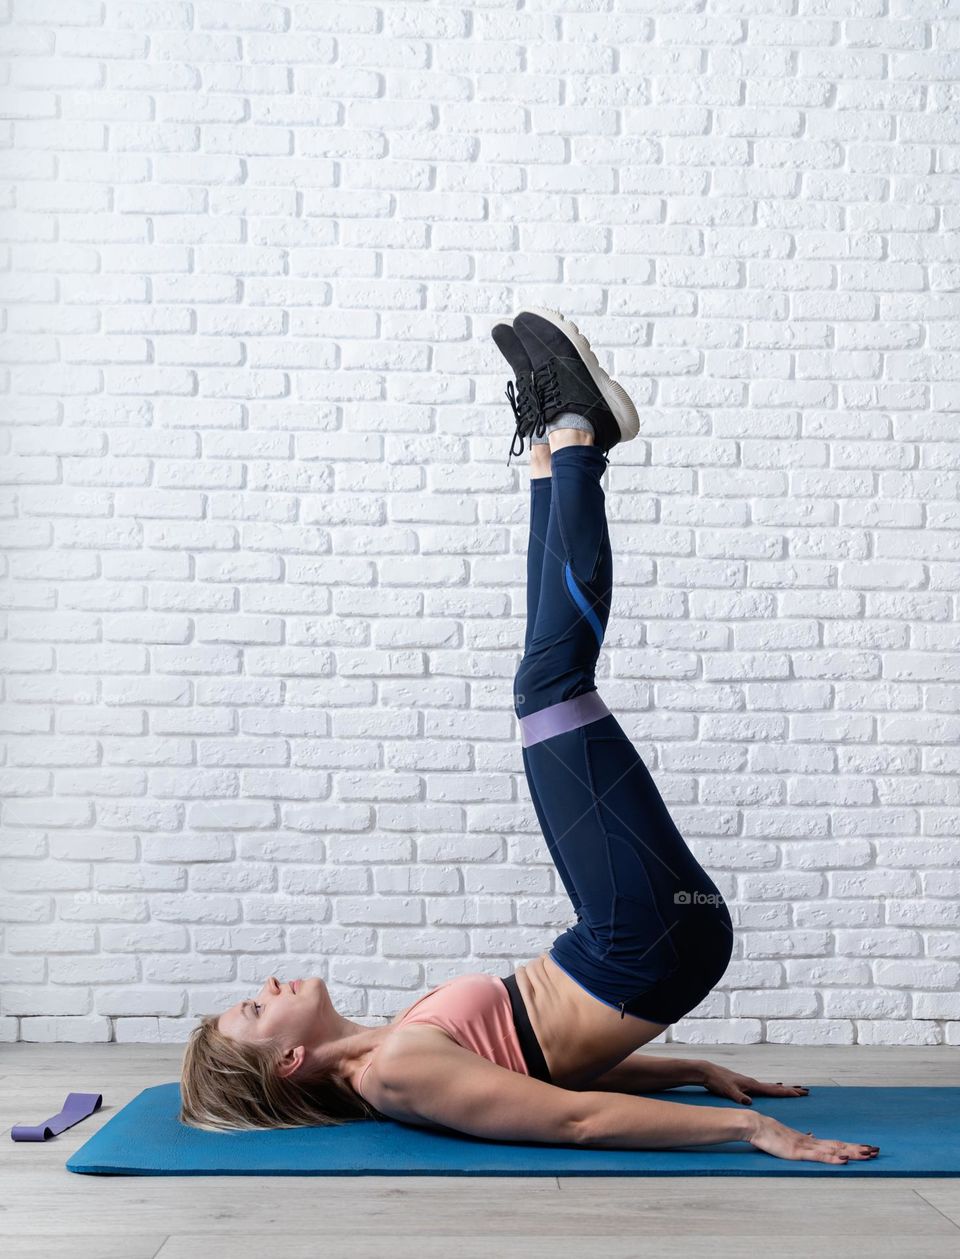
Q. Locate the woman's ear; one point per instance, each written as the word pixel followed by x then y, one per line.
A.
pixel 292 1061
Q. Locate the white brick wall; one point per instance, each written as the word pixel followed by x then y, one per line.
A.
pixel 266 556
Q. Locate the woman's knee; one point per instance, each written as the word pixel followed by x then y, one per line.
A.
pixel 526 688
pixel 538 683
pixel 534 689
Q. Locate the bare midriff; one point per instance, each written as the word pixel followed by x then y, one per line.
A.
pixel 580 1036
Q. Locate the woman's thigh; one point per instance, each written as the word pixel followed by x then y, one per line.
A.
pixel 650 920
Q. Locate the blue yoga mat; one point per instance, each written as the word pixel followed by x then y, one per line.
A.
pixel 917 1129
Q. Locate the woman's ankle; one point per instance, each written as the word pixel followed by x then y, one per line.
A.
pixel 560 437
pixel 539 461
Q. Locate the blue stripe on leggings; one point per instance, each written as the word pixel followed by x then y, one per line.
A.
pixel 582 604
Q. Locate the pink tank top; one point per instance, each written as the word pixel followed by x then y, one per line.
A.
pixel 475 1010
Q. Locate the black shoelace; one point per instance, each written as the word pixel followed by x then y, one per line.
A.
pixel 531 400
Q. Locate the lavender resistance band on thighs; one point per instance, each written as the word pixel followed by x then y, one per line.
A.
pixel 77 1106
pixel 569 714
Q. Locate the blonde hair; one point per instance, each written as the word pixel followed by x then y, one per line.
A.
pixel 227 1084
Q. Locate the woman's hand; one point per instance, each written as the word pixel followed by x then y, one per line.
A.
pixel 739 1087
pixel 777 1139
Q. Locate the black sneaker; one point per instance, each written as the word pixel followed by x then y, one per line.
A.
pixel 521 394
pixel 568 377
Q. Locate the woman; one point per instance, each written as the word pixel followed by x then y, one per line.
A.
pixel 536 1055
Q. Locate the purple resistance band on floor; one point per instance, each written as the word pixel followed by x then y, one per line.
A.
pixel 77 1106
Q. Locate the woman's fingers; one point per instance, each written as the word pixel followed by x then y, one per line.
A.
pixel 778 1089
pixel 776 1138
pixel 824 1151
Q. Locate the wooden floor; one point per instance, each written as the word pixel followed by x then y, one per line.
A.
pixel 46 1210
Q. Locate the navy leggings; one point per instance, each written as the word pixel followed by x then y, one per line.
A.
pixel 653 934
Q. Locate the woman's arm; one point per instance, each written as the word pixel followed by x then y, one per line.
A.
pixel 447 1085
pixel 433 1083
pixel 635 1123
pixel 641 1074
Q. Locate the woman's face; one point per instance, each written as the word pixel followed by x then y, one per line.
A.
pixel 291 1013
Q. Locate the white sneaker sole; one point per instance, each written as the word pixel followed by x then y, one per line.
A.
pixel 613 393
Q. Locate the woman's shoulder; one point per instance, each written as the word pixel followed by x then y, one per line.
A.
pixel 383 1073
pixel 415 1036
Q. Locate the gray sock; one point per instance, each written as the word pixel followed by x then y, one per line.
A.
pixel 567 419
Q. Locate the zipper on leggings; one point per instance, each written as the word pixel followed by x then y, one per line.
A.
pixel 622 1004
